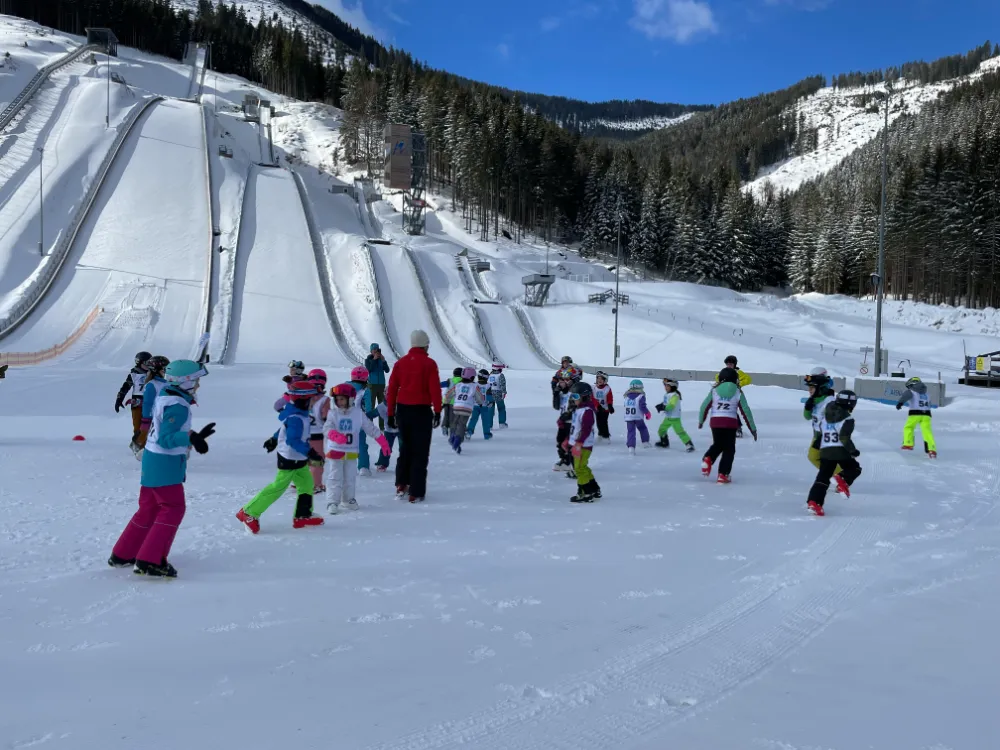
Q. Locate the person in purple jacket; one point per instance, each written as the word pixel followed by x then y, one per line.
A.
pixel 636 412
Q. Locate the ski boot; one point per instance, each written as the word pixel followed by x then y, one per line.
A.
pixel 931 454
pixel 842 488
pixel 815 508
pixel 906 448
pixel 631 451
pixel 663 442
pixel 415 499
pixel 163 570
pixel 723 479
pixel 571 474
pixel 301 522
pixel 706 466
pixel 333 508
pixel 647 444
pixel 319 489
pixel 348 505
pixel 251 523
pixel 365 472
pixel 380 469
pixel 401 491
pixel 119 562
pixel 689 448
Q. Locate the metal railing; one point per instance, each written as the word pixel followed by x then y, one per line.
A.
pixel 52 263
pixel 330 297
pixel 231 276
pixel 210 279
pixel 11 110
pixel 528 330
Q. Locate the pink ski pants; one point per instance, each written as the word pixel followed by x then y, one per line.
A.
pixel 150 533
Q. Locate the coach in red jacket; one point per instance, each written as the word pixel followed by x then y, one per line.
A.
pixel 413 402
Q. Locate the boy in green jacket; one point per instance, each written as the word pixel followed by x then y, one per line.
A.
pixel 671 410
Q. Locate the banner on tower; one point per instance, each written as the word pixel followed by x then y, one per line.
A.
pixel 398 157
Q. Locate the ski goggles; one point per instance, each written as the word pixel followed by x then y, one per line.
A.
pixel 574 397
pixel 296 364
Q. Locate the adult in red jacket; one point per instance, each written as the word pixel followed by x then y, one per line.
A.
pixel 413 403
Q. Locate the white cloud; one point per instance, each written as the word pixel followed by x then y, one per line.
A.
pixel 680 20
pixel 503 50
pixel 550 23
pixel 576 10
pixel 802 4
pixel 354 14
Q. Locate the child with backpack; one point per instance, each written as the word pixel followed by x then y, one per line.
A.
pixel 671 410
pixel 345 424
pixel 603 405
pixel 292 443
pixel 835 442
pixel 724 405
pixel 465 396
pixel 635 412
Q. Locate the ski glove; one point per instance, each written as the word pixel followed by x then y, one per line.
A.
pixel 198 439
pixel 118 406
pixel 3 371
pixel 437 420
pixel 338 437
pixel 611 409
pixel 855 453
pixel 577 449
pixel 660 407
pixel 648 415
pixel 391 422
pixel 754 433
pixel 384 445
pixel 898 407
pixel 270 444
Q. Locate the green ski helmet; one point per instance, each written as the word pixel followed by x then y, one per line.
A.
pixel 184 373
pixel 635 385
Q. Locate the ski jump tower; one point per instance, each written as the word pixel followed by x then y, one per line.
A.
pixel 405 169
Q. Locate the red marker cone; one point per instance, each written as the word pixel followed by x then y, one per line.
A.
pixel 79 437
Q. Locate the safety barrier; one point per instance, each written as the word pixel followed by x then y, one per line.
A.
pixel 11 110
pixel 21 359
pixel 365 213
pixel 53 262
pixel 211 281
pixel 231 275
pixel 792 382
pixel 888 390
pixel 432 308
pixel 393 345
pixel 330 297
pixel 528 331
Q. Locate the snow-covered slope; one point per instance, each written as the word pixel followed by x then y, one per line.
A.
pixel 643 123
pixel 846 121
pixel 25 48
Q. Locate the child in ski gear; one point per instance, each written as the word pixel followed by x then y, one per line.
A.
pixel 135 383
pixel 919 403
pixel 342 432
pixel 149 535
pixel 564 422
pixel 743 380
pixel 155 383
pixel 836 448
pixel 377 368
pixel 359 379
pixel 391 433
pixel 671 410
pixel 725 404
pixel 3 371
pixel 466 396
pixel 498 386
pixel 296 371
pixel 318 410
pixel 581 442
pixel 635 412
pixel 484 409
pixel 820 386
pixel 446 404
pixel 575 375
pixel 603 405
pixel 294 454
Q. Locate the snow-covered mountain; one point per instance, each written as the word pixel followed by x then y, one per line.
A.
pixel 846 119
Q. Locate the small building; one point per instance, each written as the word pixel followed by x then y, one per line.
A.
pixel 105 38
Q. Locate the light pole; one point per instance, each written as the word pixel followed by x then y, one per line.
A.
pixel 618 273
pixel 107 117
pixel 880 272
pixel 41 204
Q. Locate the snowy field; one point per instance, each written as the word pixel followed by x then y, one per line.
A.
pixel 672 613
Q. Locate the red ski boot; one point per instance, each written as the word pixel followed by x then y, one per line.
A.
pixel 723 479
pixel 815 508
pixel 706 467
pixel 301 523
pixel 907 448
pixel 842 488
pixel 251 523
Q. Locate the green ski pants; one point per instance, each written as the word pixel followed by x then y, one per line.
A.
pixel 675 423
pixel 581 465
pixel 267 496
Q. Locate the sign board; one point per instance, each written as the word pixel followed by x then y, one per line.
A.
pixel 398 165
pixel 888 391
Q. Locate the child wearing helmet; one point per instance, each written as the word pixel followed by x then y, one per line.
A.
pixel 635 412
pixel 743 380
pixel 345 424
pixel 359 379
pixel 580 443
pixel 135 384
pixel 724 405
pixel 446 404
pixel 146 541
pixel 155 383
pixel 318 410
pixel 604 405
pixel 836 447
pixel 915 396
pixel 498 387
pixel 671 410
pixel 294 454
pixel 465 396
pixel 820 387
pixel 485 408
pixel 564 381
pixel 390 432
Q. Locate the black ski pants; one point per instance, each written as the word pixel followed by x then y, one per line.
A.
pixel 565 457
pixel 416 427
pixel 850 470
pixel 724 444
pixel 602 423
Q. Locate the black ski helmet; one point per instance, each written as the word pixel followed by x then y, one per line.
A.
pixel 457 372
pixel 729 375
pixel 847 399
pixel 142 357
pixel 583 390
pixel 731 360
pixel 158 363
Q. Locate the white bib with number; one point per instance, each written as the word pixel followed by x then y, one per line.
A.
pixel 831 433
pixel 632 413
pixel 726 407
pixel 465 397
pixel 601 395
pixel 920 401
pixel 817 412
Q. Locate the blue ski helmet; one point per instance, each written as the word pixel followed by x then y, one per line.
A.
pixel 184 373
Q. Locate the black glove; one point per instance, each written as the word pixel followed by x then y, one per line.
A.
pixel 314 457
pixel 437 420
pixel 270 444
pixel 660 407
pixel 390 422
pixel 3 371
pixel 611 410
pixel 287 379
pixel 898 407
pixel 810 403
pixel 198 438
pixel 118 406
pixel 855 453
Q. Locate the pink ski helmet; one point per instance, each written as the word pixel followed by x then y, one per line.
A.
pixel 468 373
pixel 345 390
pixel 360 374
pixel 318 375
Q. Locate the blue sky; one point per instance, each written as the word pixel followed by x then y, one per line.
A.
pixel 686 51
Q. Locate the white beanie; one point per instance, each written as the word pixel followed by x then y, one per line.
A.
pixel 419 339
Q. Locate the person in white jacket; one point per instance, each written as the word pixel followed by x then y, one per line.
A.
pixel 341 437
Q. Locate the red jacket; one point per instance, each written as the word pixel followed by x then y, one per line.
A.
pixel 414 381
